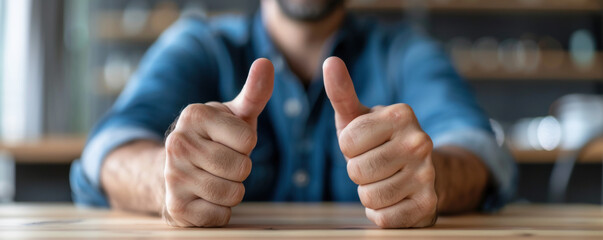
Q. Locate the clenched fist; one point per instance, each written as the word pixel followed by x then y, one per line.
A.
pixel 208 154
pixel 387 153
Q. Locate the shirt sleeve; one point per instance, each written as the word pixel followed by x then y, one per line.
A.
pixel 448 111
pixel 177 70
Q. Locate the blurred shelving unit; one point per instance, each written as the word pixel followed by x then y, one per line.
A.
pixel 109 30
pixel 591 155
pixel 48 150
pixel 564 70
pixel 480 5
pixel 556 64
pixel 109 24
pixel 512 81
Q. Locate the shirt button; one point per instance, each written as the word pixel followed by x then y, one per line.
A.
pixel 278 62
pixel 300 178
pixel 307 146
pixel 293 107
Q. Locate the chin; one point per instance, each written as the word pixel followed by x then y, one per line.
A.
pixel 309 10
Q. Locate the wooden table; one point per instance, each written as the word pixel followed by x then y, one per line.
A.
pixel 299 221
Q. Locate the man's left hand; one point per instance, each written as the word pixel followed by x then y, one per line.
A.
pixel 388 154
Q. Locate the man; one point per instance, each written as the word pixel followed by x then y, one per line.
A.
pixel 289 133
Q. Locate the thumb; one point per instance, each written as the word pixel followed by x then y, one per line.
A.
pixel 340 90
pixel 255 93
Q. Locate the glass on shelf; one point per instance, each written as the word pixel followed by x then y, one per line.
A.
pixel 135 17
pixel 459 49
pixel 554 53
pixel 582 49
pixel 485 53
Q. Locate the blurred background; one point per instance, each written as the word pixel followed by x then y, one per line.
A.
pixel 536 66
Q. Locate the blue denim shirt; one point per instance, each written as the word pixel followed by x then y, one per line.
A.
pixel 297 157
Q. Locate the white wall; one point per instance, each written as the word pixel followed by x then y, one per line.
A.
pixel 21 90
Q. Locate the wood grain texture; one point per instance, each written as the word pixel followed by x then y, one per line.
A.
pixel 300 221
pixel 48 150
pixel 479 6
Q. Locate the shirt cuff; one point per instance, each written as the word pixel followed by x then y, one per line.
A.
pixel 498 160
pixel 85 173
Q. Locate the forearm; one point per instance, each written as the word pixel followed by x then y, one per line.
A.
pixel 461 178
pixel 132 177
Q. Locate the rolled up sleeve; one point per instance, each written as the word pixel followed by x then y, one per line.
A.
pixel 448 111
pixel 85 173
pixel 179 69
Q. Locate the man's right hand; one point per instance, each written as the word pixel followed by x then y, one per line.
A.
pixel 207 154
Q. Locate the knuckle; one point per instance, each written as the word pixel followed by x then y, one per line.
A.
pixel 173 177
pixel 362 123
pixel 175 207
pixel 229 164
pixel 193 113
pixel 355 171
pixel 429 203
pixel 382 221
pixel 248 138
pixel 169 219
pixel 403 108
pixel 214 217
pixel 381 197
pixel 222 192
pixel 425 176
pixel 365 196
pixel 237 193
pixel 346 143
pixel 214 155
pixel 177 144
pixel 205 182
pixel 212 189
pixel 419 144
pixel 382 158
pixel 244 169
pixel 400 112
pixel 223 218
pixel 368 198
pixel 190 113
pixel 389 192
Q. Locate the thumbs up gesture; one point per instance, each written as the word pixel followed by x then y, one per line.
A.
pixel 207 154
pixel 387 153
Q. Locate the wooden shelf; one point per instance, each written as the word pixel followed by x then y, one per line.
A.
pixel 109 25
pixel 110 30
pixel 110 22
pixel 479 5
pixel 593 153
pixel 565 69
pixel 52 150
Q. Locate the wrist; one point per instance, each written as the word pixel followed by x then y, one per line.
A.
pixel 158 196
pixel 461 179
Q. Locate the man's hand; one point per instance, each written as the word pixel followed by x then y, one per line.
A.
pixel 387 153
pixel 207 154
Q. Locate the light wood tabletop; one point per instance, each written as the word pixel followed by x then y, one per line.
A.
pixel 299 221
